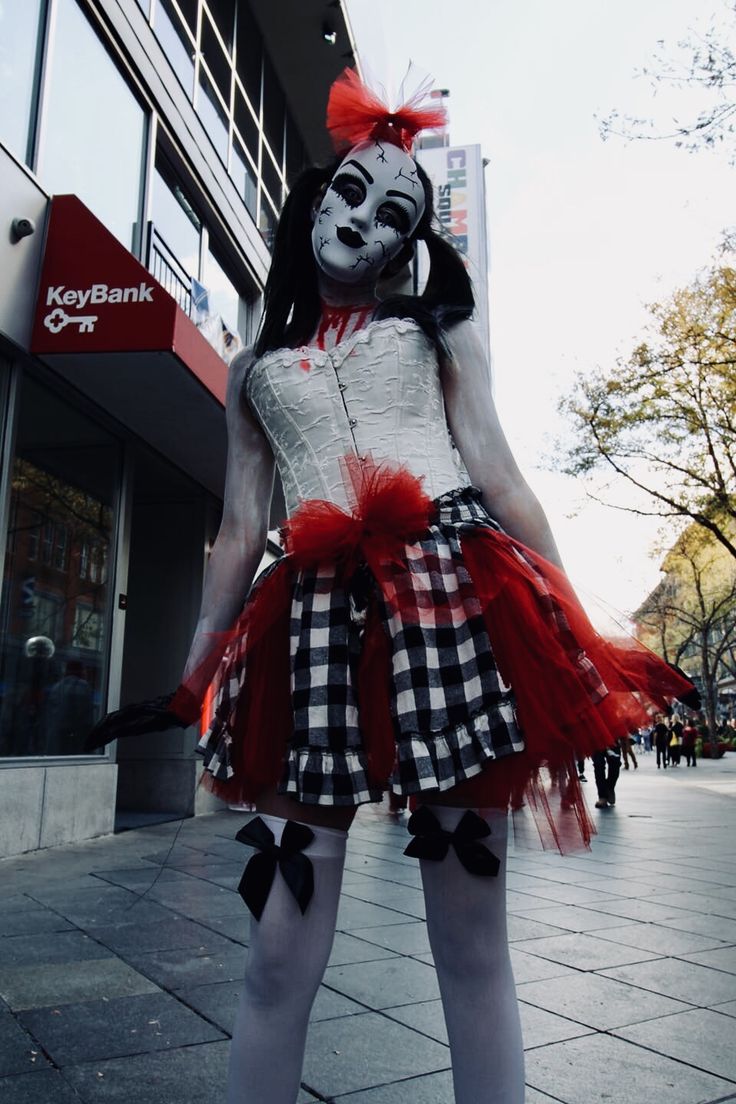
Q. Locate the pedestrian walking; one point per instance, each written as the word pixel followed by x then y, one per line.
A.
pixel 661 734
pixel 689 736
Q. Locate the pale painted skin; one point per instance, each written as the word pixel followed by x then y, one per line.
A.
pixel 371 207
pixel 471 416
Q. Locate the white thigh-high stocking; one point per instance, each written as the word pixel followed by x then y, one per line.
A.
pixel 287 957
pixel 466 921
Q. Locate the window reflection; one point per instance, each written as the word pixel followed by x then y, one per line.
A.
pixel 176 43
pixel 212 114
pixel 95 128
pixel 19 29
pixel 56 603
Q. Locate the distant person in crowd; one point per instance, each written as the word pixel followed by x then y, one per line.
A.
pixel 689 736
pixel 69 711
pixel 607 767
pixel 674 745
pixel 647 738
pixel 661 735
pixel 581 770
pixel 627 750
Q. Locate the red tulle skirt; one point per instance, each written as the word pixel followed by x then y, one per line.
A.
pixel 575 692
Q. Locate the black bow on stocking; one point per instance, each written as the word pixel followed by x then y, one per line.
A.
pixel 431 841
pixel 296 868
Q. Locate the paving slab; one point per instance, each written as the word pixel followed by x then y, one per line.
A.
pixel 684 981
pixel 582 951
pixel 171 934
pixel 599 1002
pixel 47 1086
pixel 187 966
pixel 349 947
pixel 26 921
pixel 723 958
pixel 194 1074
pixel 362 1052
pixel 599 1069
pixel 93 1030
pixel 659 938
pixel 55 984
pixel 529 967
pixel 702 1038
pixel 386 983
pixel 406 939
pixel 435 1088
pixel 49 947
pixel 19 1053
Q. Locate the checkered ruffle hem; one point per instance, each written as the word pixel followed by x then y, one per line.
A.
pixel 450 709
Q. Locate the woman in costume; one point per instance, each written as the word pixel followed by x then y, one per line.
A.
pixel 419 633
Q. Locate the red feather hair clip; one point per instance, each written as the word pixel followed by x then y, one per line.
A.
pixel 355 115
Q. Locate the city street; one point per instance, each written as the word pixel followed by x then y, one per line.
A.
pixel 625 960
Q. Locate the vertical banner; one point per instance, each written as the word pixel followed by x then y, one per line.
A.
pixel 460 202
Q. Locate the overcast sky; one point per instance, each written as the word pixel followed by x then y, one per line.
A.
pixel 583 234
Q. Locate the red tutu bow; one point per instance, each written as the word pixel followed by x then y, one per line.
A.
pixel 355 115
pixel 390 509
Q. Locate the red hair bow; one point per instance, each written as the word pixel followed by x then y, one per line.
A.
pixel 355 115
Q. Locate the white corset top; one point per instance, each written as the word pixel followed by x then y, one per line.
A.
pixel 377 393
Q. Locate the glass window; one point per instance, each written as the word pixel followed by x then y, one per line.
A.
pixel 216 59
pixel 247 124
pixel 213 114
pixel 224 298
pixel 223 13
pixel 188 9
pixel 244 176
pixel 56 601
pixel 274 110
pixel 267 222
pixel 19 41
pixel 271 178
pixel 176 43
pixel 95 128
pixel 249 56
pixel 176 221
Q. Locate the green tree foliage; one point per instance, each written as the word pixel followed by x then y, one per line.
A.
pixel 662 423
pixel 690 617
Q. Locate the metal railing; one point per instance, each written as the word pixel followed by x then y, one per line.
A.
pixel 164 265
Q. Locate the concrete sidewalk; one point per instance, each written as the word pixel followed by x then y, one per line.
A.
pixel 625 960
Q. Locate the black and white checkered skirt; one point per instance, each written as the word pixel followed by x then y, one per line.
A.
pixel 450 710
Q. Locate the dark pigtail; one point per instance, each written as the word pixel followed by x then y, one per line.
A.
pixel 291 304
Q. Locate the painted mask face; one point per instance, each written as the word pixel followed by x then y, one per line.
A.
pixel 372 205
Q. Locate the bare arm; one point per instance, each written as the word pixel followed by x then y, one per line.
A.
pixel 474 424
pixel 241 539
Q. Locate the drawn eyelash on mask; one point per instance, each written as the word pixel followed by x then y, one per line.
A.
pixel 368 260
pixel 324 213
pixel 381 154
pixel 379 222
pixel 342 182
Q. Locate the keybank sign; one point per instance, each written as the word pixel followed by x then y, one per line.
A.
pixel 99 293
pixel 60 296
pixel 94 295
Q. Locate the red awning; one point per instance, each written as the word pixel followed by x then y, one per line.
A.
pixel 105 324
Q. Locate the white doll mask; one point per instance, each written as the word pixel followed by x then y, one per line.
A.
pixel 372 205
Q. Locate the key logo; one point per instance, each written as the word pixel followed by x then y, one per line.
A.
pixel 58 319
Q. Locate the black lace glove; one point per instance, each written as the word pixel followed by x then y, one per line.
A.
pixel 173 710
